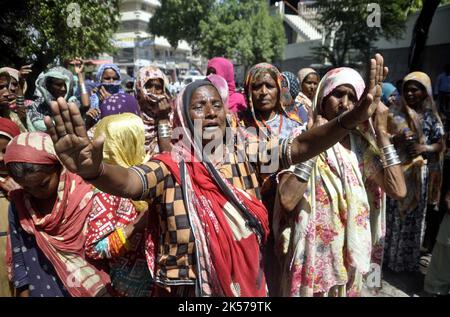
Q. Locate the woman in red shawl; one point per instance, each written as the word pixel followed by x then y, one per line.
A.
pixel 47 222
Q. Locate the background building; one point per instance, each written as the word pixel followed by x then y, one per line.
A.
pixel 138 48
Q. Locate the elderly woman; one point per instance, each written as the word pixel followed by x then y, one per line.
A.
pixel 117 226
pixel 152 92
pixel 308 79
pixel 418 131
pixel 9 100
pixel 47 219
pixel 57 82
pixel 329 227
pixel 213 224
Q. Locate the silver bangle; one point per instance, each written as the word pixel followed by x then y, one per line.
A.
pixel 20 101
pixel 303 170
pixel 289 151
pixel 164 131
pixel 389 156
pixel 83 89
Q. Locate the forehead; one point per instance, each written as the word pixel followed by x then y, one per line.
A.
pixel 412 84
pixel 203 92
pixel 263 76
pixel 346 88
pixel 109 72
pixel 154 81
pixel 311 77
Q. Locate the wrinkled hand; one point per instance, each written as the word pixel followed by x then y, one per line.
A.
pixel 372 94
pixel 24 72
pixel 103 94
pixel 159 105
pixel 381 118
pixel 416 149
pixel 93 113
pixel 78 65
pixel 72 145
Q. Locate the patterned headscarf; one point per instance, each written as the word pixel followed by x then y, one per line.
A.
pixel 14 73
pixel 291 82
pixel 147 73
pixel 284 96
pixel 119 103
pixel 60 235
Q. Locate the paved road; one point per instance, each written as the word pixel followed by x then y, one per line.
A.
pixel 398 285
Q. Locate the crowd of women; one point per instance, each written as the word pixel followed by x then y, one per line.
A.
pixel 304 186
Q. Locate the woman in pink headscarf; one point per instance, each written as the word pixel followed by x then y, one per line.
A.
pixel 224 68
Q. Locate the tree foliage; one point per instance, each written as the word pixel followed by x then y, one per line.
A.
pixel 179 20
pixel 241 30
pixel 42 31
pixel 354 39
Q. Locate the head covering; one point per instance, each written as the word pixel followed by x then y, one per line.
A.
pixel 150 72
pixel 334 78
pixel 284 96
pixel 8 128
pixel 225 69
pixel 60 235
pixel 14 73
pixel 58 73
pixel 222 86
pixel 422 78
pixel 106 66
pixel 34 148
pixel 124 143
pixel 387 90
pixel 124 139
pixel 229 265
pixel 303 73
pixel 291 82
pixel 119 103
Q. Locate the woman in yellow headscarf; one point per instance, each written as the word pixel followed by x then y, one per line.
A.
pixel 118 227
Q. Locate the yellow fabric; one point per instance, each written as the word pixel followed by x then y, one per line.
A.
pixel 124 143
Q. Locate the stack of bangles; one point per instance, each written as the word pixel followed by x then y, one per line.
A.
pixel 303 170
pixel 389 156
pixel 20 101
pixel 164 131
pixel 117 242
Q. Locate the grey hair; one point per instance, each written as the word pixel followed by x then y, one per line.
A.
pixel 20 169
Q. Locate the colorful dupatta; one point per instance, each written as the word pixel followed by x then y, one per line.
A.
pixel 229 225
pixel 60 235
pixel 327 246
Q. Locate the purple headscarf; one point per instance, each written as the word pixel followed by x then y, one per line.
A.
pixel 119 103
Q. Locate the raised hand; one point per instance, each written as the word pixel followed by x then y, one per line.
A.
pixel 72 145
pixel 372 94
pixel 78 65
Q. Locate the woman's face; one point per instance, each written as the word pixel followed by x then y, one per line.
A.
pixel 309 85
pixel 109 76
pixel 14 86
pixel 57 87
pixel 341 99
pixel 3 143
pixel 207 106
pixel 41 185
pixel 264 93
pixel 155 86
pixel 4 91
pixel 414 94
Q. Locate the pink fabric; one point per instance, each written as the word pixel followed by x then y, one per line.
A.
pixel 225 69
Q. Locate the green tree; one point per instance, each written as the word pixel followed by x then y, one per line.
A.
pixel 354 39
pixel 179 20
pixel 242 30
pixel 46 31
